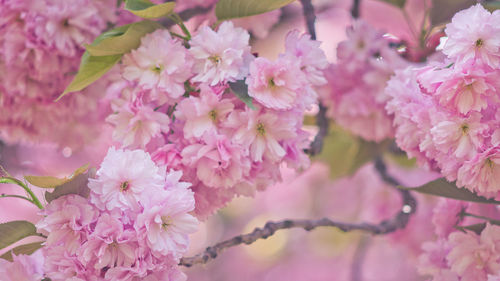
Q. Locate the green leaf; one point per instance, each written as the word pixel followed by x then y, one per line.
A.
pixel 441 187
pixel 398 3
pixel 492 5
pixel 53 182
pixel 91 69
pixel 77 185
pixel 240 89
pixel 122 39
pixel 231 9
pixel 13 231
pixel 148 10
pixel 345 153
pixel 26 249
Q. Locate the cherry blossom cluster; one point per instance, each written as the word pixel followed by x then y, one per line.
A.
pixel 447 113
pixel 41 43
pixel 178 101
pixel 134 225
pixel 464 254
pixel 355 95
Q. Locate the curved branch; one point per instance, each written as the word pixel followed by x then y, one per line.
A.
pixel 321 120
pixel 399 221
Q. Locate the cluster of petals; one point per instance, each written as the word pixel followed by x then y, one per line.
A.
pixel 134 225
pixel 458 253
pixel 355 91
pixel 223 146
pixel 446 113
pixel 41 43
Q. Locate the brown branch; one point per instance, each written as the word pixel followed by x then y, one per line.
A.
pixel 321 120
pixel 399 221
pixel 355 8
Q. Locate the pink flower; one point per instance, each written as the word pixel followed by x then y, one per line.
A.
pixel 463 137
pixel 218 162
pixel 109 245
pixel 161 64
pixel 261 131
pixel 276 84
pixel 167 224
pixel 220 56
pixel 23 268
pixel 204 113
pixel 446 215
pixel 474 33
pixel 136 124
pixel 125 176
pixel 65 26
pixel 67 221
pixel 433 261
pixel 474 256
pixel 311 58
pixel 482 173
pixel 463 89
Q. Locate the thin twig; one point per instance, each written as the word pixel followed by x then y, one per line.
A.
pixel 355 8
pixel 321 120
pixel 399 221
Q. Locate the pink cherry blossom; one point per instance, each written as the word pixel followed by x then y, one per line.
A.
pixel 275 84
pixel 474 34
pixel 482 173
pixel 23 268
pixel 263 132
pixel 167 224
pixel 136 124
pixel 161 64
pixel 222 55
pixel 312 59
pixel 204 113
pixel 125 176
pixel 474 256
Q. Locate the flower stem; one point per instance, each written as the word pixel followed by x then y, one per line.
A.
pixel 12 180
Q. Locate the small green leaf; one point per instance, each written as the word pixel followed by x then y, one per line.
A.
pixel 77 185
pixel 240 89
pixel 441 187
pixel 148 10
pixel 491 5
pixel 345 153
pixel 53 182
pixel 398 3
pixel 13 231
pixel 231 9
pixel 91 69
pixel 123 39
pixel 26 249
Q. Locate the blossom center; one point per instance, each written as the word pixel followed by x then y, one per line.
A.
pixel 215 59
pixel 213 115
pixel 489 163
pixel 271 83
pixel 166 222
pixel 124 186
pixel 465 129
pixel 157 69
pixel 65 23
pixel 479 42
pixel 261 130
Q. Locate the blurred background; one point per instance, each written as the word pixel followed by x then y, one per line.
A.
pixel 327 189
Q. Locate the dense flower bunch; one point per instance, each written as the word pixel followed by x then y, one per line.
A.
pixel 41 43
pixel 447 114
pixel 177 103
pixel 355 95
pixel 465 255
pixel 134 225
